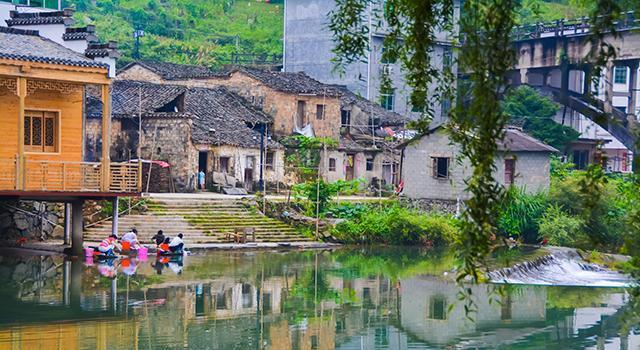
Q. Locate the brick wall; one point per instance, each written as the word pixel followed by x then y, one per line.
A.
pixel 532 169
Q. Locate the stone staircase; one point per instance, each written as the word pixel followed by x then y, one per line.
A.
pixel 200 220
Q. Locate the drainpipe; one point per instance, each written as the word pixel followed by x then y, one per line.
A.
pixel 262 131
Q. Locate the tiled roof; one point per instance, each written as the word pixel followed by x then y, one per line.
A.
pixel 219 116
pixel 296 83
pixel 109 49
pixel 39 18
pixel 516 140
pixel 374 110
pixel 82 33
pixel 222 117
pixel 27 45
pixel 173 71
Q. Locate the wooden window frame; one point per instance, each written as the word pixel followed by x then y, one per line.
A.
pixel 436 174
pixel 321 110
pixel 269 161
pixel 510 174
pixel 30 113
pixel 332 168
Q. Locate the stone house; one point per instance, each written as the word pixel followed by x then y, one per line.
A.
pixel 299 104
pixel 188 129
pixel 433 169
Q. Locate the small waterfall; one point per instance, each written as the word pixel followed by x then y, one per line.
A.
pixel 562 268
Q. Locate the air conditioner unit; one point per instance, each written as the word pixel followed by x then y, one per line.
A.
pixel 387 70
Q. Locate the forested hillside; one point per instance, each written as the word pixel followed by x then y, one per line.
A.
pixel 533 11
pixel 186 31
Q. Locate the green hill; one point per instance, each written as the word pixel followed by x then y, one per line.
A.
pixel 186 31
pixel 534 11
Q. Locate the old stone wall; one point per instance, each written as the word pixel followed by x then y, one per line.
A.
pixel 30 220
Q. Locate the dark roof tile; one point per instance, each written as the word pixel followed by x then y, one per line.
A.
pixel 39 18
pixel 173 71
pixel 296 83
pixel 29 46
pixel 516 140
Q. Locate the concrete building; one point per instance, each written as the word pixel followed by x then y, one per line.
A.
pixel 299 104
pixel 433 169
pixel 308 46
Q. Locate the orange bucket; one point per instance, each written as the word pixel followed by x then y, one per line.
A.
pixel 126 245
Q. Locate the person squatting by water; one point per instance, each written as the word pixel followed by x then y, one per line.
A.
pixel 177 244
pixel 108 245
pixel 158 238
pixel 131 238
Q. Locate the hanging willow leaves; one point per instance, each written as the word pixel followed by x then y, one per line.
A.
pixel 486 56
pixel 412 30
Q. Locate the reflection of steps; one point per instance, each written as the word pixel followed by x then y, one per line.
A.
pixel 200 220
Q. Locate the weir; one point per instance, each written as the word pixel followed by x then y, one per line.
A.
pixel 560 268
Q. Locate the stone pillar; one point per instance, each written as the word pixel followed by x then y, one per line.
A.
pixel 75 290
pixel 67 223
pixel 76 232
pixel 114 222
pixel 524 80
pixel 633 83
pixel 608 89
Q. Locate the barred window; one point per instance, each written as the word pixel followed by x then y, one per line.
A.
pixel 41 131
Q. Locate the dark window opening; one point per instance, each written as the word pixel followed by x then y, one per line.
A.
pixel 320 112
pixel 314 342
pixel 440 167
pixel 581 159
pixel 386 100
pixel 176 105
pixel 202 161
pixel 224 165
pixel 369 164
pixel 332 164
pixel 437 308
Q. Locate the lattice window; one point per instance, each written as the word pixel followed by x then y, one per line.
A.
pixel 41 131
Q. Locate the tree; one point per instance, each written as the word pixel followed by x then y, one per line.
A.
pixel 486 55
pixel 535 113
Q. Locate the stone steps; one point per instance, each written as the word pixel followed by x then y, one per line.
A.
pixel 201 221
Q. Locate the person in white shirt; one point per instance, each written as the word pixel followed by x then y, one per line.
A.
pixel 132 238
pixel 176 244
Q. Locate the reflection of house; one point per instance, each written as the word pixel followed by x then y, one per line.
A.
pixel 191 129
pixel 425 309
pixel 299 104
pixel 432 168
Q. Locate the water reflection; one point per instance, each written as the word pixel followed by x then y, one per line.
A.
pixel 347 299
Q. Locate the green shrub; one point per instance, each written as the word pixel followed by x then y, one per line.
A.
pixel 347 210
pixel 560 228
pixel 394 224
pixel 520 213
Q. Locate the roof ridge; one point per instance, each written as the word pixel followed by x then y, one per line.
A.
pixel 17 31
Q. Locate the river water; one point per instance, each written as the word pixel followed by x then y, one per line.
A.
pixel 343 299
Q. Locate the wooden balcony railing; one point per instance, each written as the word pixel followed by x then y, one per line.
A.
pixel 53 176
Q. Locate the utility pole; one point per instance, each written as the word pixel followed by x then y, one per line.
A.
pixel 263 128
pixel 137 34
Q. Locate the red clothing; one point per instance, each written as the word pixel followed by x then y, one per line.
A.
pixel 163 248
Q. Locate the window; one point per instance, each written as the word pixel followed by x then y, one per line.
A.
pixel 387 56
pixel 300 115
pixel 314 342
pixel 320 112
pixel 437 308
pixel 620 75
pixel 440 167
pixel 581 159
pixel 369 164
pixel 447 57
pixel 345 118
pixel 224 165
pixel 509 171
pixel 41 131
pixel 332 164
pixel 445 108
pixel 386 100
pixel 269 161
